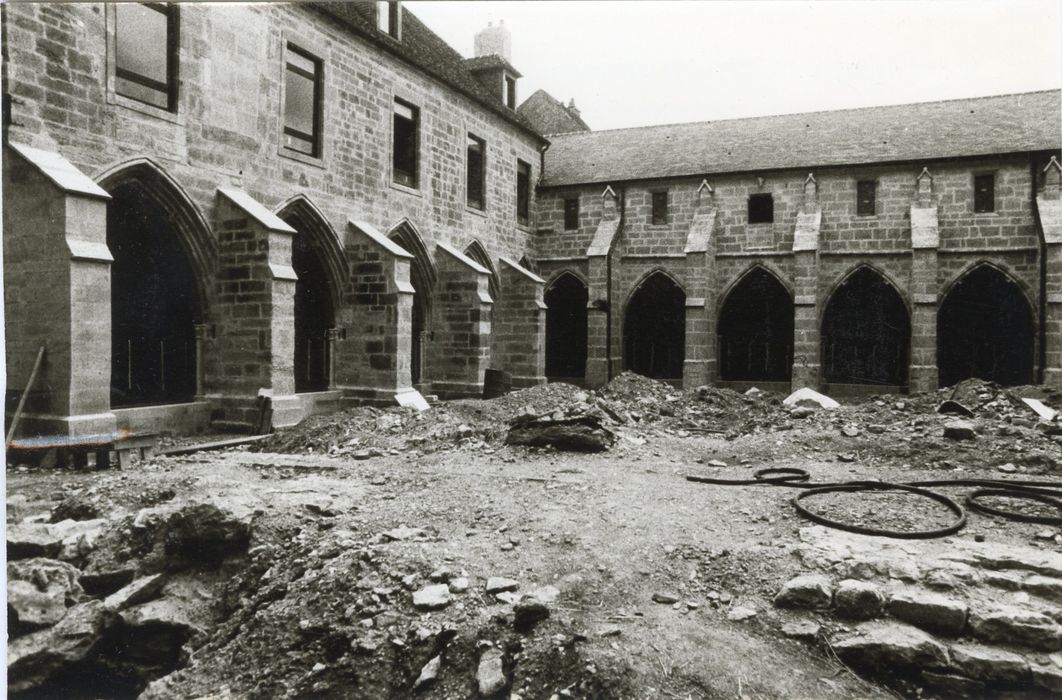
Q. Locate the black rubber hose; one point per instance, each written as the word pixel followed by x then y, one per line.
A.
pixel 856 486
pixel 974 504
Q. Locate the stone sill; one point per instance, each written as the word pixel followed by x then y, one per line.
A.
pixel 315 161
pixel 406 189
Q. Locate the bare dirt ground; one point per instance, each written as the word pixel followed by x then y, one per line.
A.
pixel 321 603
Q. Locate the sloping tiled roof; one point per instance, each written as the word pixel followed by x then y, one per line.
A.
pixel 925 131
pixel 488 62
pixel 424 49
pixel 549 115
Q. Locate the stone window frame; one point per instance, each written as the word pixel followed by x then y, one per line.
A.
pixel 524 221
pixel 748 209
pixel 873 182
pixel 662 218
pixel 481 210
pixel 974 177
pixel 318 50
pixel 411 101
pixel 509 90
pixel 174 114
pixel 394 14
pixel 564 208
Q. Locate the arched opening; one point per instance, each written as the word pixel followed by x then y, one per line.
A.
pixel 866 332
pixel 654 328
pixel 566 301
pixel 314 297
pixel 985 330
pixel 155 302
pixel 422 277
pixel 477 252
pixel 756 330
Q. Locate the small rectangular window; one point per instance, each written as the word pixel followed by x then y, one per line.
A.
pixel 659 208
pixel 146 53
pixel 571 214
pixel 510 92
pixel 984 193
pixel 866 193
pixel 523 191
pixel 475 184
pixel 761 208
pixel 388 16
pixel 302 102
pixel 407 118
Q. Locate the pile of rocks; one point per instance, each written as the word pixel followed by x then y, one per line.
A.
pixel 121 597
pixel 965 617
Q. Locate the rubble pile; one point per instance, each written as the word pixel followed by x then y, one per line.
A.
pixel 340 616
pixel 112 600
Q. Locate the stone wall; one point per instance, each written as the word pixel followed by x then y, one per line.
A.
pixel 837 242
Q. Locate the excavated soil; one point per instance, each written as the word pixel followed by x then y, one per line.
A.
pixel 320 603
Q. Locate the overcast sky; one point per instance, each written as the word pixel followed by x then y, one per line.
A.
pixel 639 62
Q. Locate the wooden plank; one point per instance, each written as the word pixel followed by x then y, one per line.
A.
pixel 22 400
pixel 218 445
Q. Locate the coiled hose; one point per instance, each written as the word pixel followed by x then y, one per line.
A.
pixel 1042 492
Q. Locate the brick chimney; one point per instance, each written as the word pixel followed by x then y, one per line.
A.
pixel 494 41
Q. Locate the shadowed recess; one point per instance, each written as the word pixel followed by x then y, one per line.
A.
pixel 985 330
pixel 756 330
pixel 866 332
pixel 566 301
pixel 154 304
pixel 654 329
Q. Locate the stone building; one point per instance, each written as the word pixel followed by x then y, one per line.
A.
pixel 323 203
pixel 856 251
pixel 326 204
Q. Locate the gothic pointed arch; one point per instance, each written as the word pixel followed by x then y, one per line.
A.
pixel 654 327
pixel 755 331
pixel 160 285
pixel 477 252
pixel 422 275
pixel 986 328
pixel 321 274
pixel 307 219
pixel 172 201
pixel 866 331
pixel 566 297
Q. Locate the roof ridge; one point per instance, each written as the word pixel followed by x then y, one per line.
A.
pixel 819 111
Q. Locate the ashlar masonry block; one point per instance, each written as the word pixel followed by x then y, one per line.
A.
pixel 255 312
pixel 375 364
pixel 461 325
pixel 519 325
pixel 57 293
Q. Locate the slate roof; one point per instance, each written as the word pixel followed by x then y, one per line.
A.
pixel 549 115
pixel 424 49
pixel 912 132
pixel 489 62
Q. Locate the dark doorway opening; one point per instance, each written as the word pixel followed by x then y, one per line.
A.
pixel 985 330
pixel 314 315
pixel 654 329
pixel 155 304
pixel 866 332
pixel 756 330
pixel 566 301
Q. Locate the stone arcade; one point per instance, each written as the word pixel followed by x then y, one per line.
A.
pixel 327 204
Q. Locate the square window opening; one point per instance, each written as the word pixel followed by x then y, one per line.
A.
pixel 659 208
pixel 475 175
pixel 866 198
pixel 761 208
pixel 984 193
pixel 146 44
pixel 523 191
pixel 571 214
pixel 388 18
pixel 302 102
pixel 404 146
